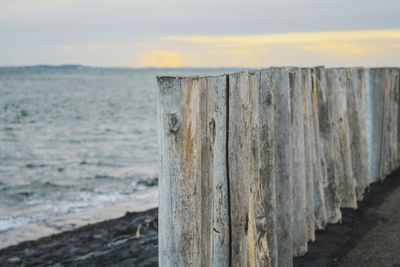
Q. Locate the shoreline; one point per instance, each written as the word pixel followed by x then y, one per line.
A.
pixel 127 241
pixel 142 201
pixel 132 240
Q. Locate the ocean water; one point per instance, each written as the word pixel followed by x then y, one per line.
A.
pixel 76 139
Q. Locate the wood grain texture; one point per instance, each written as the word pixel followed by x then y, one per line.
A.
pixel 299 226
pixel 249 226
pixel 310 86
pixel 356 101
pixel 192 153
pixel 239 165
pixel 258 241
pixel 283 168
pixel 375 96
pixel 308 158
pixel 252 163
pixel 337 81
pixel 180 190
pixel 267 156
pixel 326 128
pixel 397 93
pixel 394 106
pixel 397 100
pixel 386 127
pixel 217 136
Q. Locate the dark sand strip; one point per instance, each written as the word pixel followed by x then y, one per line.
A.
pixel 127 241
pixel 368 236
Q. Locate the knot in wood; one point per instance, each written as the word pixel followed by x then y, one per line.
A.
pixel 269 99
pixel 173 123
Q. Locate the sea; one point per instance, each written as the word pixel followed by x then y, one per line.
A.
pixel 78 145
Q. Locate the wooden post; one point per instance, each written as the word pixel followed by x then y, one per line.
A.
pixel 308 155
pixel 386 127
pixel 358 129
pixel 267 156
pixel 337 87
pixel 299 227
pixel 397 90
pixel 316 150
pixel 192 139
pixel 248 224
pixel 283 168
pixel 258 244
pixel 252 163
pixel 394 106
pixel 217 125
pixel 374 90
pixel 239 165
pixel 397 100
pixel 180 195
pixel 326 127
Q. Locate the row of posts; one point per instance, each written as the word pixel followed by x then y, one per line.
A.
pixel 253 163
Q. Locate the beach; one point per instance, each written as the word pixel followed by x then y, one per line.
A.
pixel 127 241
pixel 144 200
pixel 365 237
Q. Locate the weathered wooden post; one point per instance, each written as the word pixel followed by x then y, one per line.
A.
pixel 299 230
pixel 193 211
pixel 391 143
pixel 337 87
pixel 374 95
pixel 248 222
pixel 258 241
pixel 326 127
pixel 268 80
pixel 283 168
pixel 396 133
pixel 394 106
pixel 239 165
pixel 316 151
pixel 217 131
pixel 385 149
pixel 308 157
pixel 358 128
pixel 252 163
pixel 397 93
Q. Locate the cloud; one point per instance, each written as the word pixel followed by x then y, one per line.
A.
pixel 160 58
pixel 288 38
pixel 197 33
pixel 304 48
pixel 339 48
pixel 346 50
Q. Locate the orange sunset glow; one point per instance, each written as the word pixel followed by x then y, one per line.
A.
pixel 303 48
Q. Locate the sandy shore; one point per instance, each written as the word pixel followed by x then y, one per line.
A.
pixel 142 201
pixel 368 236
pixel 127 241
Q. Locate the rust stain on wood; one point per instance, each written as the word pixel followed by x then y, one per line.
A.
pixel 187 135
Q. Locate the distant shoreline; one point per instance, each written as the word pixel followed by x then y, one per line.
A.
pixel 86 67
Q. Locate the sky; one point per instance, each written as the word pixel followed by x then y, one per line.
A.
pixel 206 33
